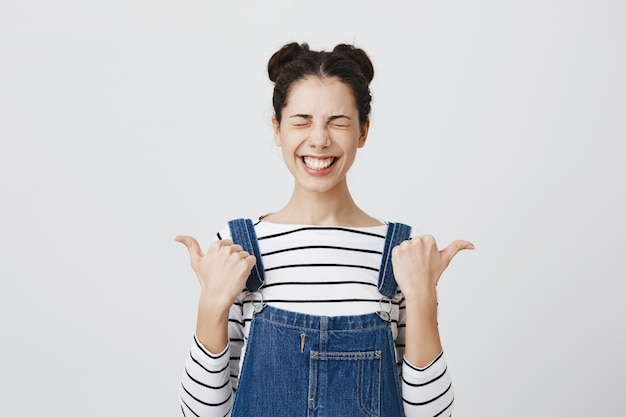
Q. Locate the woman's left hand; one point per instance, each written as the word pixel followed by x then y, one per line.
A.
pixel 418 263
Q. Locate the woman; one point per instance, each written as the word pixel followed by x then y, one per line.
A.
pixel 321 329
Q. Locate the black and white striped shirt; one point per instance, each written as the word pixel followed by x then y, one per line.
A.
pixel 319 270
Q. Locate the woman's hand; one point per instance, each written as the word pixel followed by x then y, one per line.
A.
pixel 222 271
pixel 417 266
pixel 418 263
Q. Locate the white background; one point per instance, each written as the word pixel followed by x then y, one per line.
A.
pixel 124 123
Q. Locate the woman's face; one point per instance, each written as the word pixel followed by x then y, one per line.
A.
pixel 320 133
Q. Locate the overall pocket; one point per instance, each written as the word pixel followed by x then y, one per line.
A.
pixel 345 383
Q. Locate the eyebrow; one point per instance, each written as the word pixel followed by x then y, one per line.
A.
pixel 330 118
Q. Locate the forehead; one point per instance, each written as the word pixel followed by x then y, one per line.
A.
pixel 313 94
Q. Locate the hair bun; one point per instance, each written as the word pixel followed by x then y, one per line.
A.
pixel 282 57
pixel 357 55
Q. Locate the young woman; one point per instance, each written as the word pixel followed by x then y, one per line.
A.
pixel 336 315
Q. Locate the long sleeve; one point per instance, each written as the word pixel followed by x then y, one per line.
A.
pixel 426 392
pixel 209 381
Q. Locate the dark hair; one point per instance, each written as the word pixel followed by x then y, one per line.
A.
pixel 294 61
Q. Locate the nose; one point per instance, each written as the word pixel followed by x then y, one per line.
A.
pixel 319 137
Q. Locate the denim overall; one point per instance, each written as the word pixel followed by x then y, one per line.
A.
pixel 298 365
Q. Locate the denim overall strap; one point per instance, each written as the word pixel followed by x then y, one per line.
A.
pixel 242 233
pixel 396 233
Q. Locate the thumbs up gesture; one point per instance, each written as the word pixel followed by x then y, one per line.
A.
pixel 222 271
pixel 418 263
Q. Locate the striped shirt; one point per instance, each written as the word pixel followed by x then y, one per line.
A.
pixel 319 270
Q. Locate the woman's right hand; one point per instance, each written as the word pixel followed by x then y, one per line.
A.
pixel 222 271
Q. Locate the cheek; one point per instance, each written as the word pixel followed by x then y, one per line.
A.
pixel 289 154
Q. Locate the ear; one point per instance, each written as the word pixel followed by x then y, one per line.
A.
pixel 276 126
pixel 364 130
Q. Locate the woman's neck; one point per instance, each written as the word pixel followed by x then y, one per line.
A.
pixel 334 208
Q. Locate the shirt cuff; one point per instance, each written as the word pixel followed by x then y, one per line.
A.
pixel 417 375
pixel 202 354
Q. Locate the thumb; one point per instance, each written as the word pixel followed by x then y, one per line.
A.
pixel 192 245
pixel 452 249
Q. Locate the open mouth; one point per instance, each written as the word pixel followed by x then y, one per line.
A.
pixel 318 164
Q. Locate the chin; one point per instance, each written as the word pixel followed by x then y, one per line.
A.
pixel 318 187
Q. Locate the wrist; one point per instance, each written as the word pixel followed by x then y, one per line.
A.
pixel 422 328
pixel 422 305
pixel 425 295
pixel 212 324
pixel 216 306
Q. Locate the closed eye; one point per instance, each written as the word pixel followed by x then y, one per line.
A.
pixel 339 121
pixel 300 120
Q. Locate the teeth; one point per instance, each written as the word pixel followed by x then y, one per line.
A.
pixel 317 163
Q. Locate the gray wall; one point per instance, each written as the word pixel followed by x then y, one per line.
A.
pixel 124 123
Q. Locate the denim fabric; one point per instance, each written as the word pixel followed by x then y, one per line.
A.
pixel 299 365
pixel 242 233
pixel 396 233
pixel 303 365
